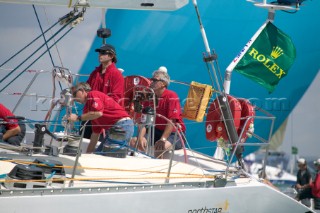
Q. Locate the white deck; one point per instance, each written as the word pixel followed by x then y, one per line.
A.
pixel 140 184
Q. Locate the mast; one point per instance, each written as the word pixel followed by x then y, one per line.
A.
pixel 221 96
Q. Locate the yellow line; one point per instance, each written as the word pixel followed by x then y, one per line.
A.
pixel 93 168
pixel 102 178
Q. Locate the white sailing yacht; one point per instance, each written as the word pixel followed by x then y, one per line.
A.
pixel 56 176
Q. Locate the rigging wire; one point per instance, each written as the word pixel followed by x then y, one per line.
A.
pixel 70 21
pixel 33 61
pixel 25 48
pixel 56 46
pixel 30 56
pixel 34 78
pixel 43 35
pixel 25 92
pixel 218 68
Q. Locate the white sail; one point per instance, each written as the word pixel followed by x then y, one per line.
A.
pixel 278 136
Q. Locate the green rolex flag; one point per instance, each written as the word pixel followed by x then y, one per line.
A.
pixel 269 58
pixel 294 150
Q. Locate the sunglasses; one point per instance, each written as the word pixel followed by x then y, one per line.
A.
pixel 74 94
pixel 155 80
pixel 104 52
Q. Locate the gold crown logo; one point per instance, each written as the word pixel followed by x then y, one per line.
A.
pixel 276 52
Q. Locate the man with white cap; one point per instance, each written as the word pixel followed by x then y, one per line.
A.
pixel 314 190
pixel 168 106
pixel 304 179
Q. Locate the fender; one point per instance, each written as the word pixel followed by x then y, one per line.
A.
pixel 215 126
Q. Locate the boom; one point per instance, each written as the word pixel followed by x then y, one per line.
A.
pixel 110 4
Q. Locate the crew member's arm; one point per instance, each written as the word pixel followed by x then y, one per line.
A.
pixel 163 143
pixel 307 185
pixel 298 186
pixel 173 110
pixel 93 142
pixel 168 130
pixel 11 132
pixel 142 142
pixel 92 115
pixel 117 88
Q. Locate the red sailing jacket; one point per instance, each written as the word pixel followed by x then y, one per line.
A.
pixel 110 83
pixel 315 186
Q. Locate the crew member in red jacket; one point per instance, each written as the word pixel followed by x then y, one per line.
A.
pixel 168 106
pixel 11 132
pixel 105 113
pixel 106 78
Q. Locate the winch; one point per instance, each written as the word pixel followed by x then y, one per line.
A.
pixel 52 169
pixel 36 175
pixel 27 173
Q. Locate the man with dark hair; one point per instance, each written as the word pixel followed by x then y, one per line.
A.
pixel 104 113
pixel 106 78
pixel 11 131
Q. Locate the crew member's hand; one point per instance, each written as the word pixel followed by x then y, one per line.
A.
pixel 73 117
pixel 298 186
pixel 142 144
pixel 160 145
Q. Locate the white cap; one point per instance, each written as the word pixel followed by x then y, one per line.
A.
pixel 317 162
pixel 302 161
pixel 163 69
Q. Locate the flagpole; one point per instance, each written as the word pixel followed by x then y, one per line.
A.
pixel 219 153
pixel 234 62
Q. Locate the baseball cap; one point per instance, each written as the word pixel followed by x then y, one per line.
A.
pixel 163 69
pixel 317 162
pixel 106 48
pixel 302 161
